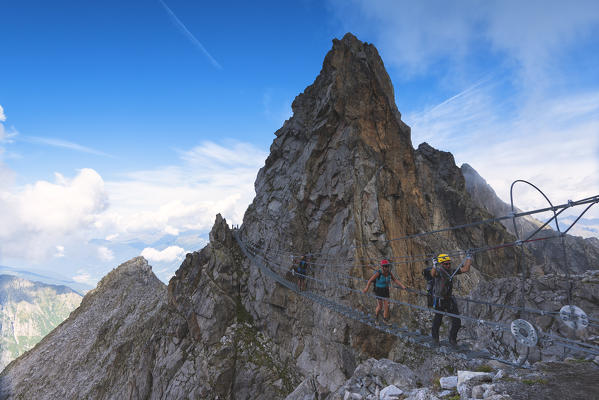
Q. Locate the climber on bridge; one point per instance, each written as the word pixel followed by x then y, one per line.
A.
pixel 443 299
pixel 301 270
pixel 382 279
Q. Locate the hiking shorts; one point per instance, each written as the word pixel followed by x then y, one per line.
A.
pixel 382 291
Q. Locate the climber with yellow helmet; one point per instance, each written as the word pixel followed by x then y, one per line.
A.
pixel 443 299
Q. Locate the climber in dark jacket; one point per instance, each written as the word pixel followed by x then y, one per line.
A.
pixel 301 270
pixel 443 299
pixel 382 279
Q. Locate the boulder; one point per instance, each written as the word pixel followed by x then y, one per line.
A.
pixel 422 394
pixel 391 392
pixel 467 380
pixel 449 382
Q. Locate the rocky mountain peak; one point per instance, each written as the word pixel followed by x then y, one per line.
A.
pixel 220 234
pixel 132 269
pixel 353 82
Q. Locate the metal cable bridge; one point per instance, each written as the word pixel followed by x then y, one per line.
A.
pixel 367 319
pixel 523 331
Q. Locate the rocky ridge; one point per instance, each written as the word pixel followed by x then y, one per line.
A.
pixel 341 180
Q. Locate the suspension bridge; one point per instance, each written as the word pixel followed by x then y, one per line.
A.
pixel 272 264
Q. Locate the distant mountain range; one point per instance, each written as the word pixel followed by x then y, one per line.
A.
pixel 45 277
pixel 28 311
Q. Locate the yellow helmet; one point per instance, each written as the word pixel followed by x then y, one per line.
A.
pixel 443 258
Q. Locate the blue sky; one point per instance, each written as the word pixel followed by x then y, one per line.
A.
pixel 126 126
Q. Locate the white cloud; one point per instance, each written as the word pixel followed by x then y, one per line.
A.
pixel 38 217
pixel 105 254
pixel 179 200
pixel 212 179
pixel 191 241
pixel 64 144
pixel 170 254
pixel 553 144
pixel 59 252
pixel 112 236
pixel 6 136
pixel 84 277
pixel 416 35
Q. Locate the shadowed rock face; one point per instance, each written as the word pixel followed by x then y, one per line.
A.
pixel 341 180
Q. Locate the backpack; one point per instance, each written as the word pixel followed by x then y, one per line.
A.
pixel 302 267
pixel 443 286
pixel 430 283
pixel 382 280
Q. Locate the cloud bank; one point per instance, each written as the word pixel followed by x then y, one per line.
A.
pixel 92 224
pixel 38 218
pixel 170 254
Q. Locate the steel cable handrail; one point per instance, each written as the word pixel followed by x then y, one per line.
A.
pixel 573 343
pixel 588 200
pixel 419 292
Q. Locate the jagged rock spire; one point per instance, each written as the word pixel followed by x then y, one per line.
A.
pixel 345 154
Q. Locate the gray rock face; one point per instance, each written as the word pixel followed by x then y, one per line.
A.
pixel 549 293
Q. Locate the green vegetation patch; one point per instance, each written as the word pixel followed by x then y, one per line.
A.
pixel 537 381
pixel 242 314
pixel 253 343
pixel 579 360
pixel 484 368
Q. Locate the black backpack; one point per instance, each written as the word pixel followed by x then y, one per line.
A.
pixel 430 283
pixel 443 286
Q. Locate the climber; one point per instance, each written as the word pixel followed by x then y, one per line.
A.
pixel 382 279
pixel 301 270
pixel 443 299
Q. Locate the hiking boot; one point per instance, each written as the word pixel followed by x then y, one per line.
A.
pixel 386 321
pixel 453 343
pixel 436 342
